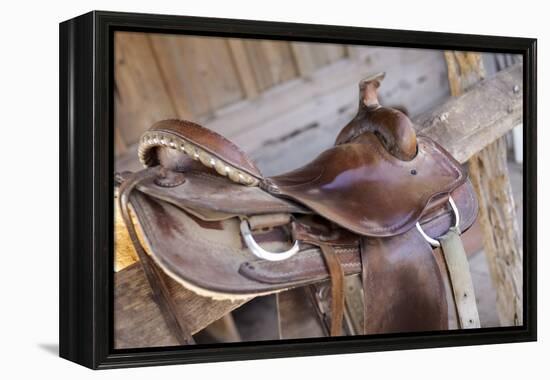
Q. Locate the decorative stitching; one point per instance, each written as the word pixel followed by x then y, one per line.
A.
pixel 209 132
pixel 304 272
pixel 301 257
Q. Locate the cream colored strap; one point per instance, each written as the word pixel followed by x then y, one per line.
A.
pixel 461 279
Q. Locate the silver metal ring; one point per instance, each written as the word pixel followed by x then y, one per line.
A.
pixel 262 253
pixel 433 242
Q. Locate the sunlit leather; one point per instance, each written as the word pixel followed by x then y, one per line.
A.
pixel 363 188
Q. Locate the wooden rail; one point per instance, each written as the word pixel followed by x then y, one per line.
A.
pixel 466 124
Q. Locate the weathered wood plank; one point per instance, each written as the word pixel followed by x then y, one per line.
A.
pixel 462 125
pixel 466 124
pixel 243 66
pixel 271 61
pixel 329 53
pixel 465 69
pixel 141 97
pixel 489 174
pixel 501 237
pixel 198 71
pixel 280 108
pixel 303 57
pixel 330 89
pixel 312 56
pixel 138 321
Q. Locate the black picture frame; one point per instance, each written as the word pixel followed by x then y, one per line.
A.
pixel 86 185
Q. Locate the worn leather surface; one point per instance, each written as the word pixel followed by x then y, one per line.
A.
pixel 393 128
pixel 403 287
pixel 336 273
pixel 309 264
pixel 213 197
pixel 202 255
pixel 363 188
pixel 206 139
pixel 210 255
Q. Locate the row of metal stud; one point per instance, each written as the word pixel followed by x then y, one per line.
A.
pixel 152 139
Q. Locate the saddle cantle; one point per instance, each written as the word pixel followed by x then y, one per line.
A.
pixel 366 207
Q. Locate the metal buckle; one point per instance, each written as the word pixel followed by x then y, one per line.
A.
pixel 262 253
pixel 433 242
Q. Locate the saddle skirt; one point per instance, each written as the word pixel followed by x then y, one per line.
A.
pixel 204 251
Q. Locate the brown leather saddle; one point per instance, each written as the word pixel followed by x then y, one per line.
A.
pixel 376 204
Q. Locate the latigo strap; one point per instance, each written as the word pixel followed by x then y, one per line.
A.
pixel 402 285
pixel 461 279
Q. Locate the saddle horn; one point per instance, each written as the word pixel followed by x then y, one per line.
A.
pixel 393 128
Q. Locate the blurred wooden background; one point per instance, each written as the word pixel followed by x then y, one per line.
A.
pixel 282 102
pixel 270 97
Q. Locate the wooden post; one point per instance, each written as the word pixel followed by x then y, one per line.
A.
pixel 489 175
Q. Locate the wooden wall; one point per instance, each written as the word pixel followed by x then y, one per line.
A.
pixel 281 102
pixel 159 75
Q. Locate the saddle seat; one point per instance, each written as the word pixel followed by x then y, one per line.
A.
pixel 357 185
pixel 363 188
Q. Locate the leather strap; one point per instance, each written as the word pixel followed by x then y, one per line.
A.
pixel 258 222
pixel 460 279
pixel 364 274
pixel 337 289
pixel 402 285
pixel 160 290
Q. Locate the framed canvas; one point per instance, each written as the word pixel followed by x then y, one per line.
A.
pixel 234 189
